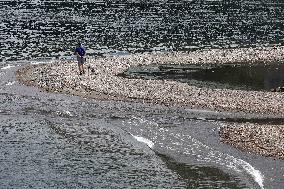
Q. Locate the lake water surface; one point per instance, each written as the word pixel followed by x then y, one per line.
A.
pixel 60 141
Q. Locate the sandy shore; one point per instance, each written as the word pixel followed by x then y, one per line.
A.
pixel 62 76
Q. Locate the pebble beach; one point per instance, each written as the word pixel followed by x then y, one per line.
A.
pixel 264 139
pixel 104 84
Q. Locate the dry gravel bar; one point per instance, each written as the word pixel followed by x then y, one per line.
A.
pixel 103 83
pixel 267 140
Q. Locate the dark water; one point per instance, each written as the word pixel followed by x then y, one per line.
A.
pixel 196 176
pixel 247 77
pixel 59 141
pixel 42 28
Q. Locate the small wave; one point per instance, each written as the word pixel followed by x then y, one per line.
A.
pixel 148 142
pixel 35 63
pixel 11 83
pixel 41 62
pixel 7 67
pixel 180 143
pixel 215 156
pixel 256 174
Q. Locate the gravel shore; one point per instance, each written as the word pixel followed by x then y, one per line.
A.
pixel 103 83
pixel 267 140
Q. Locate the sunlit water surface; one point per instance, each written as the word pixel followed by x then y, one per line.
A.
pixel 59 141
pixel 45 28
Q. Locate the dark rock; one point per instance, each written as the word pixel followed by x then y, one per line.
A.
pixel 278 89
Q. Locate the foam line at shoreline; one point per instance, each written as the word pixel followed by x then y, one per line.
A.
pixel 148 142
pixel 7 67
pixel 256 174
pixel 180 144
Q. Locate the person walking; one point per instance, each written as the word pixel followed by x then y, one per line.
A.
pixel 80 52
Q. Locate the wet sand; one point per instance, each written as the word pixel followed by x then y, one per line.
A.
pixel 104 84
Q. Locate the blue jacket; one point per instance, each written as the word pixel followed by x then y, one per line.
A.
pixel 81 51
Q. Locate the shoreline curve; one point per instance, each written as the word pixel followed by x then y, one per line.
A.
pixel 104 84
pixel 62 76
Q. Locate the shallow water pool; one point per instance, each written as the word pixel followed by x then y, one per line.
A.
pixel 237 76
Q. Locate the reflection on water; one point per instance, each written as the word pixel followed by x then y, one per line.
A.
pixel 50 29
pixel 203 177
pixel 249 77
